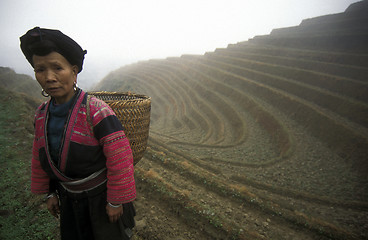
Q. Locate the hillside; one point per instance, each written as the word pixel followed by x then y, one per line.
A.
pixel 264 139
pixel 21 213
pixel 19 83
pixel 342 32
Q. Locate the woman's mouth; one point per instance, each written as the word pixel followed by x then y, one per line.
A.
pixel 53 89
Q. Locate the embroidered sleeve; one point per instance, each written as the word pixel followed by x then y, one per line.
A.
pixel 39 179
pixel 119 158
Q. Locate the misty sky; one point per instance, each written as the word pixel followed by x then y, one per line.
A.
pixel 120 32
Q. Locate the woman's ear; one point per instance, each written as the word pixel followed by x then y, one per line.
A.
pixel 75 69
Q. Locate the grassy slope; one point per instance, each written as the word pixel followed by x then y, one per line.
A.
pixel 22 215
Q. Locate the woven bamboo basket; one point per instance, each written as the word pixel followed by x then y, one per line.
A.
pixel 133 111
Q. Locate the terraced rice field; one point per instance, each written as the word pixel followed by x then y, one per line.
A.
pixel 254 141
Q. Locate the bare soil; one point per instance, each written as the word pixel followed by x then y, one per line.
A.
pixel 264 139
pixel 189 192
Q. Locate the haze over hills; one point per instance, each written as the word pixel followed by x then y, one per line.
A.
pixel 282 116
pixel 347 31
pixel 264 139
pixel 319 66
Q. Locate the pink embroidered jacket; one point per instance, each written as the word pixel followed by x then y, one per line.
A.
pixel 86 148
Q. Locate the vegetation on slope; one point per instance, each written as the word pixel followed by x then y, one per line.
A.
pixel 22 215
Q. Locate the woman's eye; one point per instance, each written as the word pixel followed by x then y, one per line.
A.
pixel 38 70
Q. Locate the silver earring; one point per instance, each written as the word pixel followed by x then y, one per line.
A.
pixel 45 94
pixel 75 86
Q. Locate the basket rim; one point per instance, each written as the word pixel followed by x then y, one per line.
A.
pixel 141 97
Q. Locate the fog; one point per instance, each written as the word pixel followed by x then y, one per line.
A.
pixel 116 33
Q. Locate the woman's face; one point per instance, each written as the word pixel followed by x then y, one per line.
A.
pixel 56 76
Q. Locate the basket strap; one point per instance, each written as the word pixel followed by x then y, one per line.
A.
pixel 89 120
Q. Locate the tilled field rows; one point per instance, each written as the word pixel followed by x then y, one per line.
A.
pixel 210 202
pixel 253 142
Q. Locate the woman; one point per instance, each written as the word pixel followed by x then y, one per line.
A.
pixel 81 157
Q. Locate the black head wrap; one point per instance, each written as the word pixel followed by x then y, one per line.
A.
pixel 41 41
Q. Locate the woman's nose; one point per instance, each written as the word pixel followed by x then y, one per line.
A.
pixel 50 76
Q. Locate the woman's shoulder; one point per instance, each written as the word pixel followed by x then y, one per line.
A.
pixel 96 102
pixel 99 107
pixel 41 107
